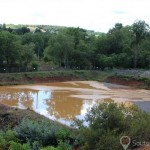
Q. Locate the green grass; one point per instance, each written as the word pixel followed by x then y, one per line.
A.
pixel 28 77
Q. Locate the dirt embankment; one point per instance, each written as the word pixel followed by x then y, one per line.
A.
pixel 53 79
pixel 131 77
pixel 132 83
pixel 11 116
pixel 35 79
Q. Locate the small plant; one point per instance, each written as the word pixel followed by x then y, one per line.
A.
pixel 62 134
pixel 3 142
pixel 30 131
pixel 6 137
pixel 35 145
pixel 49 148
pixel 61 146
pixel 10 136
pixel 18 146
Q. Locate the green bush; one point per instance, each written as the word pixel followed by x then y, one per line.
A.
pixel 49 148
pixel 108 122
pixel 18 146
pixel 62 134
pixel 35 65
pixel 10 136
pixel 42 133
pixel 30 131
pixel 6 137
pixel 61 146
pixel 2 140
pixel 35 145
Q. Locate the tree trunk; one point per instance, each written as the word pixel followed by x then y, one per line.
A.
pixel 135 51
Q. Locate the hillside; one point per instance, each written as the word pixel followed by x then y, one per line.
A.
pixel 47 28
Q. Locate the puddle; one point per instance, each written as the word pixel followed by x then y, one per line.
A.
pixel 63 101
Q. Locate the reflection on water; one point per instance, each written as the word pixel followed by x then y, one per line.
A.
pixel 66 100
pixel 55 104
pixel 63 106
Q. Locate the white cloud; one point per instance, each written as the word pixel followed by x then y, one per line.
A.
pixel 98 15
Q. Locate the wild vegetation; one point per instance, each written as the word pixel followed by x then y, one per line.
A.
pixel 74 48
pixel 52 76
pixel 107 123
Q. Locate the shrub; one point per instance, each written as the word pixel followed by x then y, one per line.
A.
pixel 18 146
pixel 63 134
pixel 3 142
pixel 10 136
pixel 108 122
pixel 49 148
pixel 30 131
pixel 6 137
pixel 42 133
pixel 35 145
pixel 61 146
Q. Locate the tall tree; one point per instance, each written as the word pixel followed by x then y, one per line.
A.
pixel 77 34
pixel 37 39
pixel 27 55
pixel 140 30
pixel 59 49
pixel 4 27
pixel 9 49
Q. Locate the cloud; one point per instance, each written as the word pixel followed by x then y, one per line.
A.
pixel 98 15
pixel 119 12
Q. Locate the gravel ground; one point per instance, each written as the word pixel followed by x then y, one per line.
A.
pixel 135 72
pixel 145 105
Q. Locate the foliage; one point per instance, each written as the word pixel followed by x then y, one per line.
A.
pixel 60 48
pixel 61 146
pixel 30 135
pixel 29 131
pixel 9 49
pixel 140 31
pixel 6 137
pixel 41 134
pixel 3 142
pixel 108 122
pixel 18 146
pixel 74 48
pixel 49 148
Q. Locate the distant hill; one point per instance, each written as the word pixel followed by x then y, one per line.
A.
pixel 48 28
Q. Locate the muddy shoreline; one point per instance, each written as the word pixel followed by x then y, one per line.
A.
pixel 78 93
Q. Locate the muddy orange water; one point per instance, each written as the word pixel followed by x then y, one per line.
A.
pixel 64 101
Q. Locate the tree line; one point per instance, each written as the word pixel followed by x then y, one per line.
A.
pixel 74 48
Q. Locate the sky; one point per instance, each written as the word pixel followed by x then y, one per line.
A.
pixel 97 15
